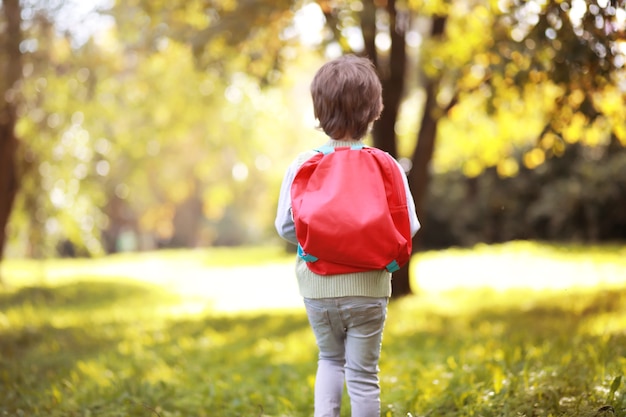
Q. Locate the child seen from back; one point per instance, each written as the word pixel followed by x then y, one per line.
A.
pixel 347 312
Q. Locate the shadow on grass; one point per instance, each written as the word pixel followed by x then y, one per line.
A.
pixel 47 330
pixel 87 294
pixel 104 346
pixel 117 356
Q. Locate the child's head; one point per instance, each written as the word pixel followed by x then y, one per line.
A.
pixel 347 97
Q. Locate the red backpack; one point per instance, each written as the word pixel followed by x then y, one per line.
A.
pixel 350 211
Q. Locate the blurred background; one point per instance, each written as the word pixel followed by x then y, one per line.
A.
pixel 140 125
pixel 142 147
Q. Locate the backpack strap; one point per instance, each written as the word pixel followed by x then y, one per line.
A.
pixel 393 266
pixel 325 149
pixel 306 256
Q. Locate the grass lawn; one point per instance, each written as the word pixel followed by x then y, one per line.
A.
pixel 521 329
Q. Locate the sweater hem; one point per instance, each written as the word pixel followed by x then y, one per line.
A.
pixel 359 284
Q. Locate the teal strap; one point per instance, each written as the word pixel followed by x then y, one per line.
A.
pixel 393 266
pixel 325 149
pixel 305 256
pixel 330 149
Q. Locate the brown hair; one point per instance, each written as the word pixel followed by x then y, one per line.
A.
pixel 347 96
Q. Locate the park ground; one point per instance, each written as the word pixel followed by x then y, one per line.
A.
pixel 520 329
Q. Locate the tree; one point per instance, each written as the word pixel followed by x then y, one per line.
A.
pixel 531 46
pixel 113 141
pixel 570 45
pixel 11 70
pixel 261 51
pixel 560 61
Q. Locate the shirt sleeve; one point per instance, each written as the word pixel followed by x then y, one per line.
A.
pixel 414 221
pixel 284 220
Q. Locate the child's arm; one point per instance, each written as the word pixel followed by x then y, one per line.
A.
pixel 415 224
pixel 284 221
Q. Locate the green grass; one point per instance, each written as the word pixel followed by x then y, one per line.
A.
pixel 143 335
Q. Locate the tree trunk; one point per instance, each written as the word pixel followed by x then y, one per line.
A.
pixel 392 71
pixel 11 74
pixel 419 176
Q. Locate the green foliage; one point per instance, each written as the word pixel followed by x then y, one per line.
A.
pixel 573 45
pixel 546 73
pixel 113 142
pixel 110 346
pixel 248 33
pixel 59 197
pixel 158 127
pixel 579 196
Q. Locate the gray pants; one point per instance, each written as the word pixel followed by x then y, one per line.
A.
pixel 348 331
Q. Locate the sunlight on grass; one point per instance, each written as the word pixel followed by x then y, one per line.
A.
pixel 521 329
pixel 245 279
pixel 521 265
pixel 205 279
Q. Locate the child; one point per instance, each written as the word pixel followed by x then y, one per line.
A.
pixel 347 312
